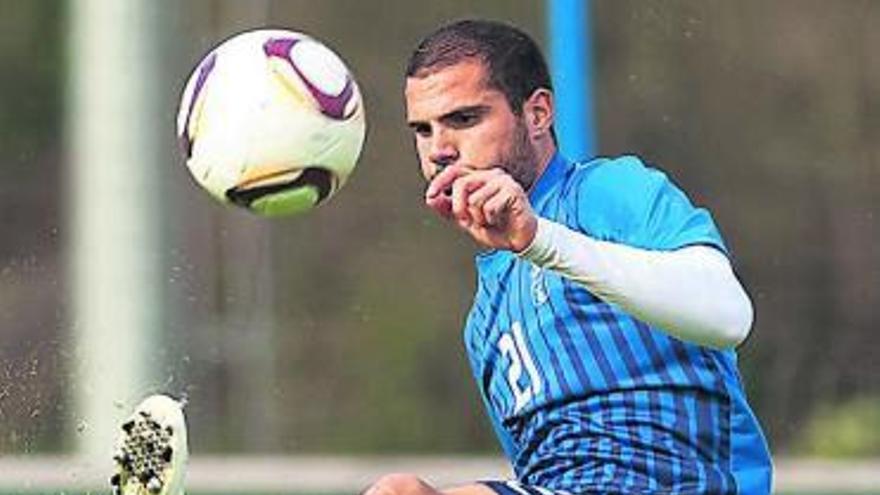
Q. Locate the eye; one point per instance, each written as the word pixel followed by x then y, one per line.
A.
pixel 421 130
pixel 461 120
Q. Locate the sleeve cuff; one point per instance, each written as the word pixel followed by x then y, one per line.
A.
pixel 540 251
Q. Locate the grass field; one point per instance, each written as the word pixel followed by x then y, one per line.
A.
pixel 350 475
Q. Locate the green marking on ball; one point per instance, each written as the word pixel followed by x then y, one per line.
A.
pixel 288 202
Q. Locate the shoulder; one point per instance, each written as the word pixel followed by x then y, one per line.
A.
pixel 619 177
pixel 624 200
pixel 609 197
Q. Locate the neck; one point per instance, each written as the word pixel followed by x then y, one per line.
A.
pixel 544 152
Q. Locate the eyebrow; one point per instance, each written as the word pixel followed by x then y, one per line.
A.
pixel 478 109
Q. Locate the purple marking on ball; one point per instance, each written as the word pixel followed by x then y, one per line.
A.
pixel 332 106
pixel 205 69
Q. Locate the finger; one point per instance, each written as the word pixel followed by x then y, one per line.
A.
pixel 477 198
pixel 475 213
pixel 497 208
pixel 441 204
pixel 443 180
pixel 461 189
pixel 480 196
pixel 495 196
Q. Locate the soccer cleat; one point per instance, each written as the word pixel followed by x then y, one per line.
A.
pixel 151 450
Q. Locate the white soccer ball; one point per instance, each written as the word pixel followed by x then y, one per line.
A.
pixel 272 121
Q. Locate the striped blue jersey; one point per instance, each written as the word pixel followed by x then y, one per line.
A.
pixel 586 398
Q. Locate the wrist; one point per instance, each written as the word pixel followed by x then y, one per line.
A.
pixel 529 239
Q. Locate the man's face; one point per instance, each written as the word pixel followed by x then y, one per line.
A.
pixel 457 119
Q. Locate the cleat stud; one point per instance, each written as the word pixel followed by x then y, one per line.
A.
pixel 114 480
pixel 127 426
pixel 167 454
pixel 145 476
pixel 154 485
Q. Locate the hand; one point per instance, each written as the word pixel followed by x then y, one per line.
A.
pixel 487 204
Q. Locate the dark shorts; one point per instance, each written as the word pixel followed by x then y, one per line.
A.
pixel 513 487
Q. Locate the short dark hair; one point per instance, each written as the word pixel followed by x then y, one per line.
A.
pixel 513 61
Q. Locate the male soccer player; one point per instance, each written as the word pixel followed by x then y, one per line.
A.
pixel 606 311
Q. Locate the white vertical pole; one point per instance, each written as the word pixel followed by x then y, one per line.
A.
pixel 113 225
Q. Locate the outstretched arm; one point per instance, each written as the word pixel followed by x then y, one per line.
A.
pixel 691 293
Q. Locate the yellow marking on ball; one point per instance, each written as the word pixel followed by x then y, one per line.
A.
pixel 268 174
pixel 196 122
pixel 288 87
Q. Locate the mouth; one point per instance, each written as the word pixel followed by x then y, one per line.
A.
pixel 253 188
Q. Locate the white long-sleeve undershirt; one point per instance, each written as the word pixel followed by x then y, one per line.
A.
pixel 690 293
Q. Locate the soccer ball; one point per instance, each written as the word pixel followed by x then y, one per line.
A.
pixel 272 121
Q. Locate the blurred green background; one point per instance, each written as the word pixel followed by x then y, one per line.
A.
pixel 339 331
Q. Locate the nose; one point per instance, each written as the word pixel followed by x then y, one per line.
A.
pixel 443 152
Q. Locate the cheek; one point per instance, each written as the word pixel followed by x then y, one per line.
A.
pixel 426 170
pixel 486 148
pixel 490 143
pixel 422 157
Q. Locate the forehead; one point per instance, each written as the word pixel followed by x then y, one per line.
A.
pixel 458 85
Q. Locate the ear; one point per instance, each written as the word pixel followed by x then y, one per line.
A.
pixel 539 113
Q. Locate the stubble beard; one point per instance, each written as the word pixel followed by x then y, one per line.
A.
pixel 521 159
